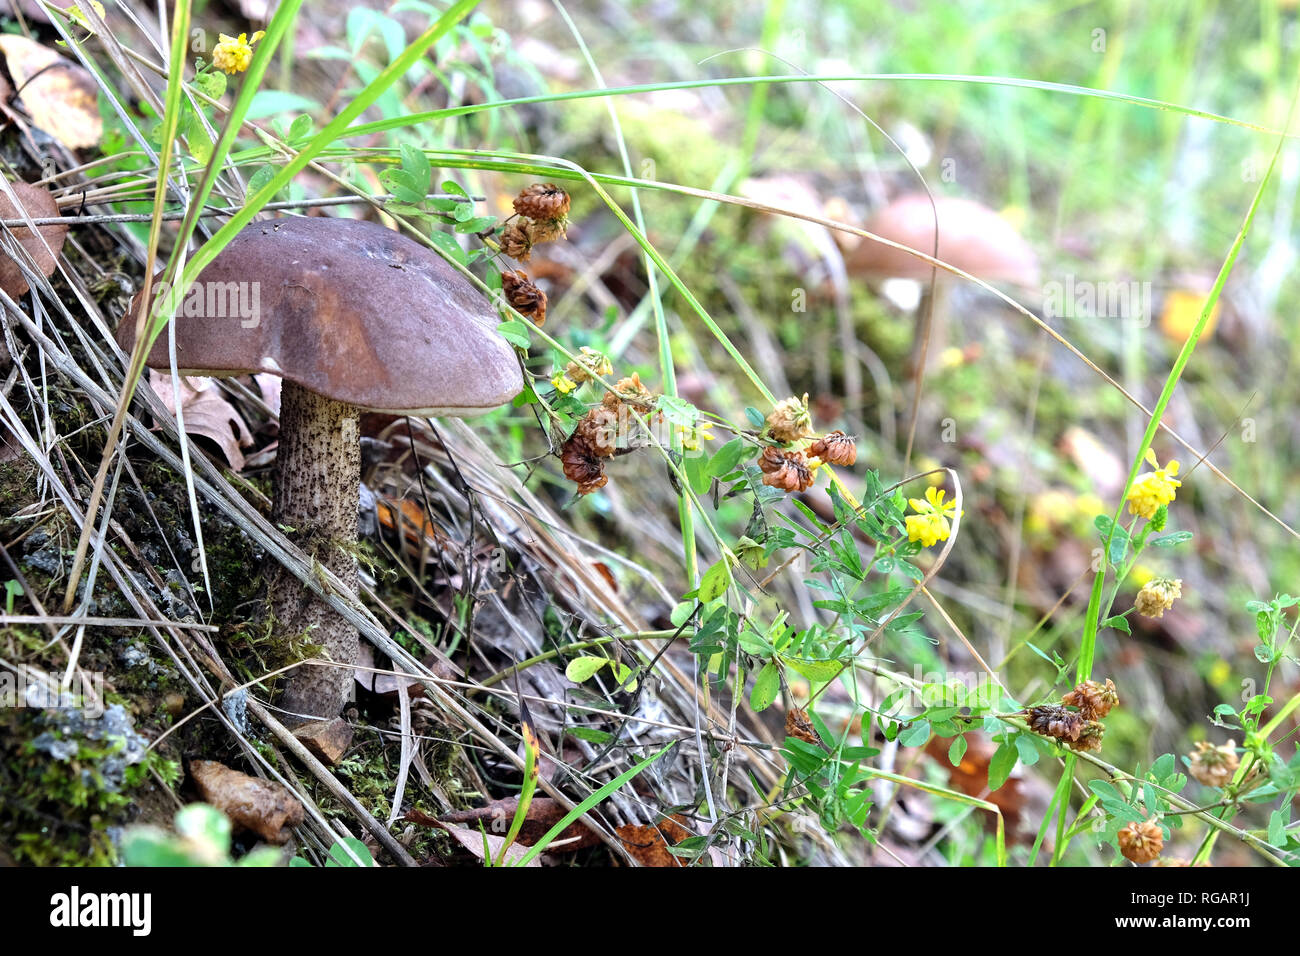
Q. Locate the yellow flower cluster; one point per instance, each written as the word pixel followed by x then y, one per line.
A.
pixel 1153 489
pixel 691 437
pixel 232 55
pixel 930 523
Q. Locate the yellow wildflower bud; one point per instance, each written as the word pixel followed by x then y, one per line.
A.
pixel 232 55
pixel 1153 489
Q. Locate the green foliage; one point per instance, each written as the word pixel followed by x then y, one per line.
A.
pixel 347 851
pixel 202 838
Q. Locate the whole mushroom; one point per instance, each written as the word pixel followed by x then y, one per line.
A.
pixel 354 317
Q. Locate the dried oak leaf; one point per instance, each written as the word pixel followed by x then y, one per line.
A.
pixel 649 845
pixel 43 247
pixel 63 100
pixel 263 806
pixel 207 414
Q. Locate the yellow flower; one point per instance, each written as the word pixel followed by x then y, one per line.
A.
pixel 562 384
pixel 929 529
pixel 232 55
pixel 691 437
pixel 1153 489
pixel 934 503
pixel 930 523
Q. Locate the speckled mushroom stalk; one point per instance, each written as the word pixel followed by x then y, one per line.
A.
pixel 317 480
pixel 353 317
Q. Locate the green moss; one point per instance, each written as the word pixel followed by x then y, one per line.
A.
pixel 67 785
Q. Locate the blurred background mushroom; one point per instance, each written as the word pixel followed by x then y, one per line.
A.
pixel 971 237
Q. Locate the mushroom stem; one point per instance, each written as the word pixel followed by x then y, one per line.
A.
pixel 317 482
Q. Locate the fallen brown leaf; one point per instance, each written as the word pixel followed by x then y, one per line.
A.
pixel 971 777
pixel 649 845
pixel 43 247
pixel 543 814
pixel 63 99
pixel 207 414
pixel 263 806
pixel 472 840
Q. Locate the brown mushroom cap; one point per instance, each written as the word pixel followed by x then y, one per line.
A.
pixel 972 237
pixel 44 247
pixel 347 309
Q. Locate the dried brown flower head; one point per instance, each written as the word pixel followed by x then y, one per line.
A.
pixel 1214 766
pixel 787 470
pixel 548 230
pixel 589 364
pixel 524 296
pixel 1090 736
pixel 1094 700
pixel 836 448
pixel 542 201
pixel 798 725
pixel 1158 596
pixel 598 430
pixel 1141 842
pixel 790 420
pixel 1053 720
pixel 629 391
pixel 517 241
pixel 771 460
pixel 582 465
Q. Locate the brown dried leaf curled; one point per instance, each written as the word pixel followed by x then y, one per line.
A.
pixel 43 247
pixel 206 413
pixel 798 725
pixel 649 845
pixel 263 806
